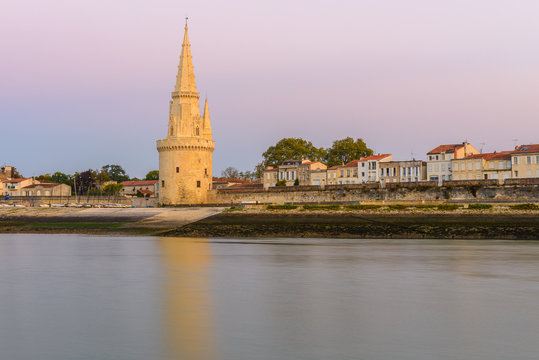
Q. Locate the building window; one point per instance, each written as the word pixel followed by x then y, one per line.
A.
pixel 515 160
pixel 456 166
pixel 206 171
pixel 197 132
pixel 177 169
pixel 528 160
pixel 198 184
pixel 162 183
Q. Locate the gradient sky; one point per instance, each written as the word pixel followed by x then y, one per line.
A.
pixel 87 83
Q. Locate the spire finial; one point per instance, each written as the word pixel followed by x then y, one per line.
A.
pixel 186 18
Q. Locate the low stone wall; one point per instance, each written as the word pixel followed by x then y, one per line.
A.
pixel 449 191
pixel 45 200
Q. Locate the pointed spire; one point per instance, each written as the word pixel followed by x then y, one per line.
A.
pixel 206 114
pixel 185 80
pixel 206 125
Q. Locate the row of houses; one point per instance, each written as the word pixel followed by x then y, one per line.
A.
pixel 32 187
pixel 459 161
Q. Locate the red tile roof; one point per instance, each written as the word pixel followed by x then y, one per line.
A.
pixel 139 183
pixel 17 180
pixel 533 148
pixel 229 180
pixel 45 185
pixel 145 192
pixel 450 148
pixel 490 156
pixel 375 157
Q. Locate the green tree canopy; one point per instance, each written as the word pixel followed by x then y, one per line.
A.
pixel 44 178
pixel 292 148
pixel 115 172
pixel 112 189
pixel 84 181
pixel 152 175
pixel 346 150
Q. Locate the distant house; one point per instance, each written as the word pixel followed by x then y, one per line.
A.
pixel 495 165
pixel 344 174
pixel 525 161
pixel 46 189
pixel 12 187
pixel 6 172
pixel 439 159
pixel 368 168
pixel 306 172
pixel 403 171
pixel 150 187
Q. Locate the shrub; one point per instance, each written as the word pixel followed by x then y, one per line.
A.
pixel 448 207
pixel 322 207
pixel 528 206
pixel 280 183
pixel 425 206
pixel 479 206
pixel 362 207
pixel 282 207
pixel 296 182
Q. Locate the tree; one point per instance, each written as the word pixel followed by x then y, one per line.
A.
pixel 112 189
pixel 44 178
pixel 84 181
pixel 62 178
pixel 115 172
pixel 291 148
pixel 296 182
pixel 230 173
pixel 152 175
pixel 346 150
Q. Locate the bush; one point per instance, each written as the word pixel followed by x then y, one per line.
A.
pixel 296 182
pixel 425 206
pixel 528 206
pixel 362 207
pixel 280 183
pixel 448 207
pixel 282 207
pixel 479 206
pixel 322 207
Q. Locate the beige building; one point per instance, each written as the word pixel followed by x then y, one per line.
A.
pixel 525 161
pixel 439 159
pixel 403 171
pixel 46 189
pixel 495 165
pixel 149 188
pixel 368 168
pixel 12 187
pixel 270 177
pixel 185 156
pixel 306 172
pixel 6 172
pixel 343 174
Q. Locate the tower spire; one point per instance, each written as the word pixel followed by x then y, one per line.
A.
pixel 185 80
pixel 206 125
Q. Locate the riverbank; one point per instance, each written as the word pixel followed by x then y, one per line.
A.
pixel 378 222
pixel 368 221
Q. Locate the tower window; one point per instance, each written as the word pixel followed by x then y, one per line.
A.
pixel 197 131
pixel 162 183
pixel 205 171
pixel 198 184
pixel 177 169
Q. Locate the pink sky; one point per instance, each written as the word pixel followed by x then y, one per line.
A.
pixel 84 84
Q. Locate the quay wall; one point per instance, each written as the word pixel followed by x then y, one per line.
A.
pixel 449 191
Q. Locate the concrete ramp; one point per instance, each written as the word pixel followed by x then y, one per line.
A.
pixel 176 217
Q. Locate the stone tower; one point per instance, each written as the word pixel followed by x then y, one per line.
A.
pixel 185 156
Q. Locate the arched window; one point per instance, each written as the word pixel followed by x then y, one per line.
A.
pixel 197 132
pixel 171 130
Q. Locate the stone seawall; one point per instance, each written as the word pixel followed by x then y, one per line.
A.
pixel 526 190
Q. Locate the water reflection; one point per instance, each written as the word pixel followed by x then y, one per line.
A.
pixel 187 316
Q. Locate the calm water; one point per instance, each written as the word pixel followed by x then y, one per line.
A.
pixel 95 297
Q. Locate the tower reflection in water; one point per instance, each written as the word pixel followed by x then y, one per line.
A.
pixel 187 307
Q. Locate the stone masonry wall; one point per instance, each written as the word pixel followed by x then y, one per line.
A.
pixel 450 191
